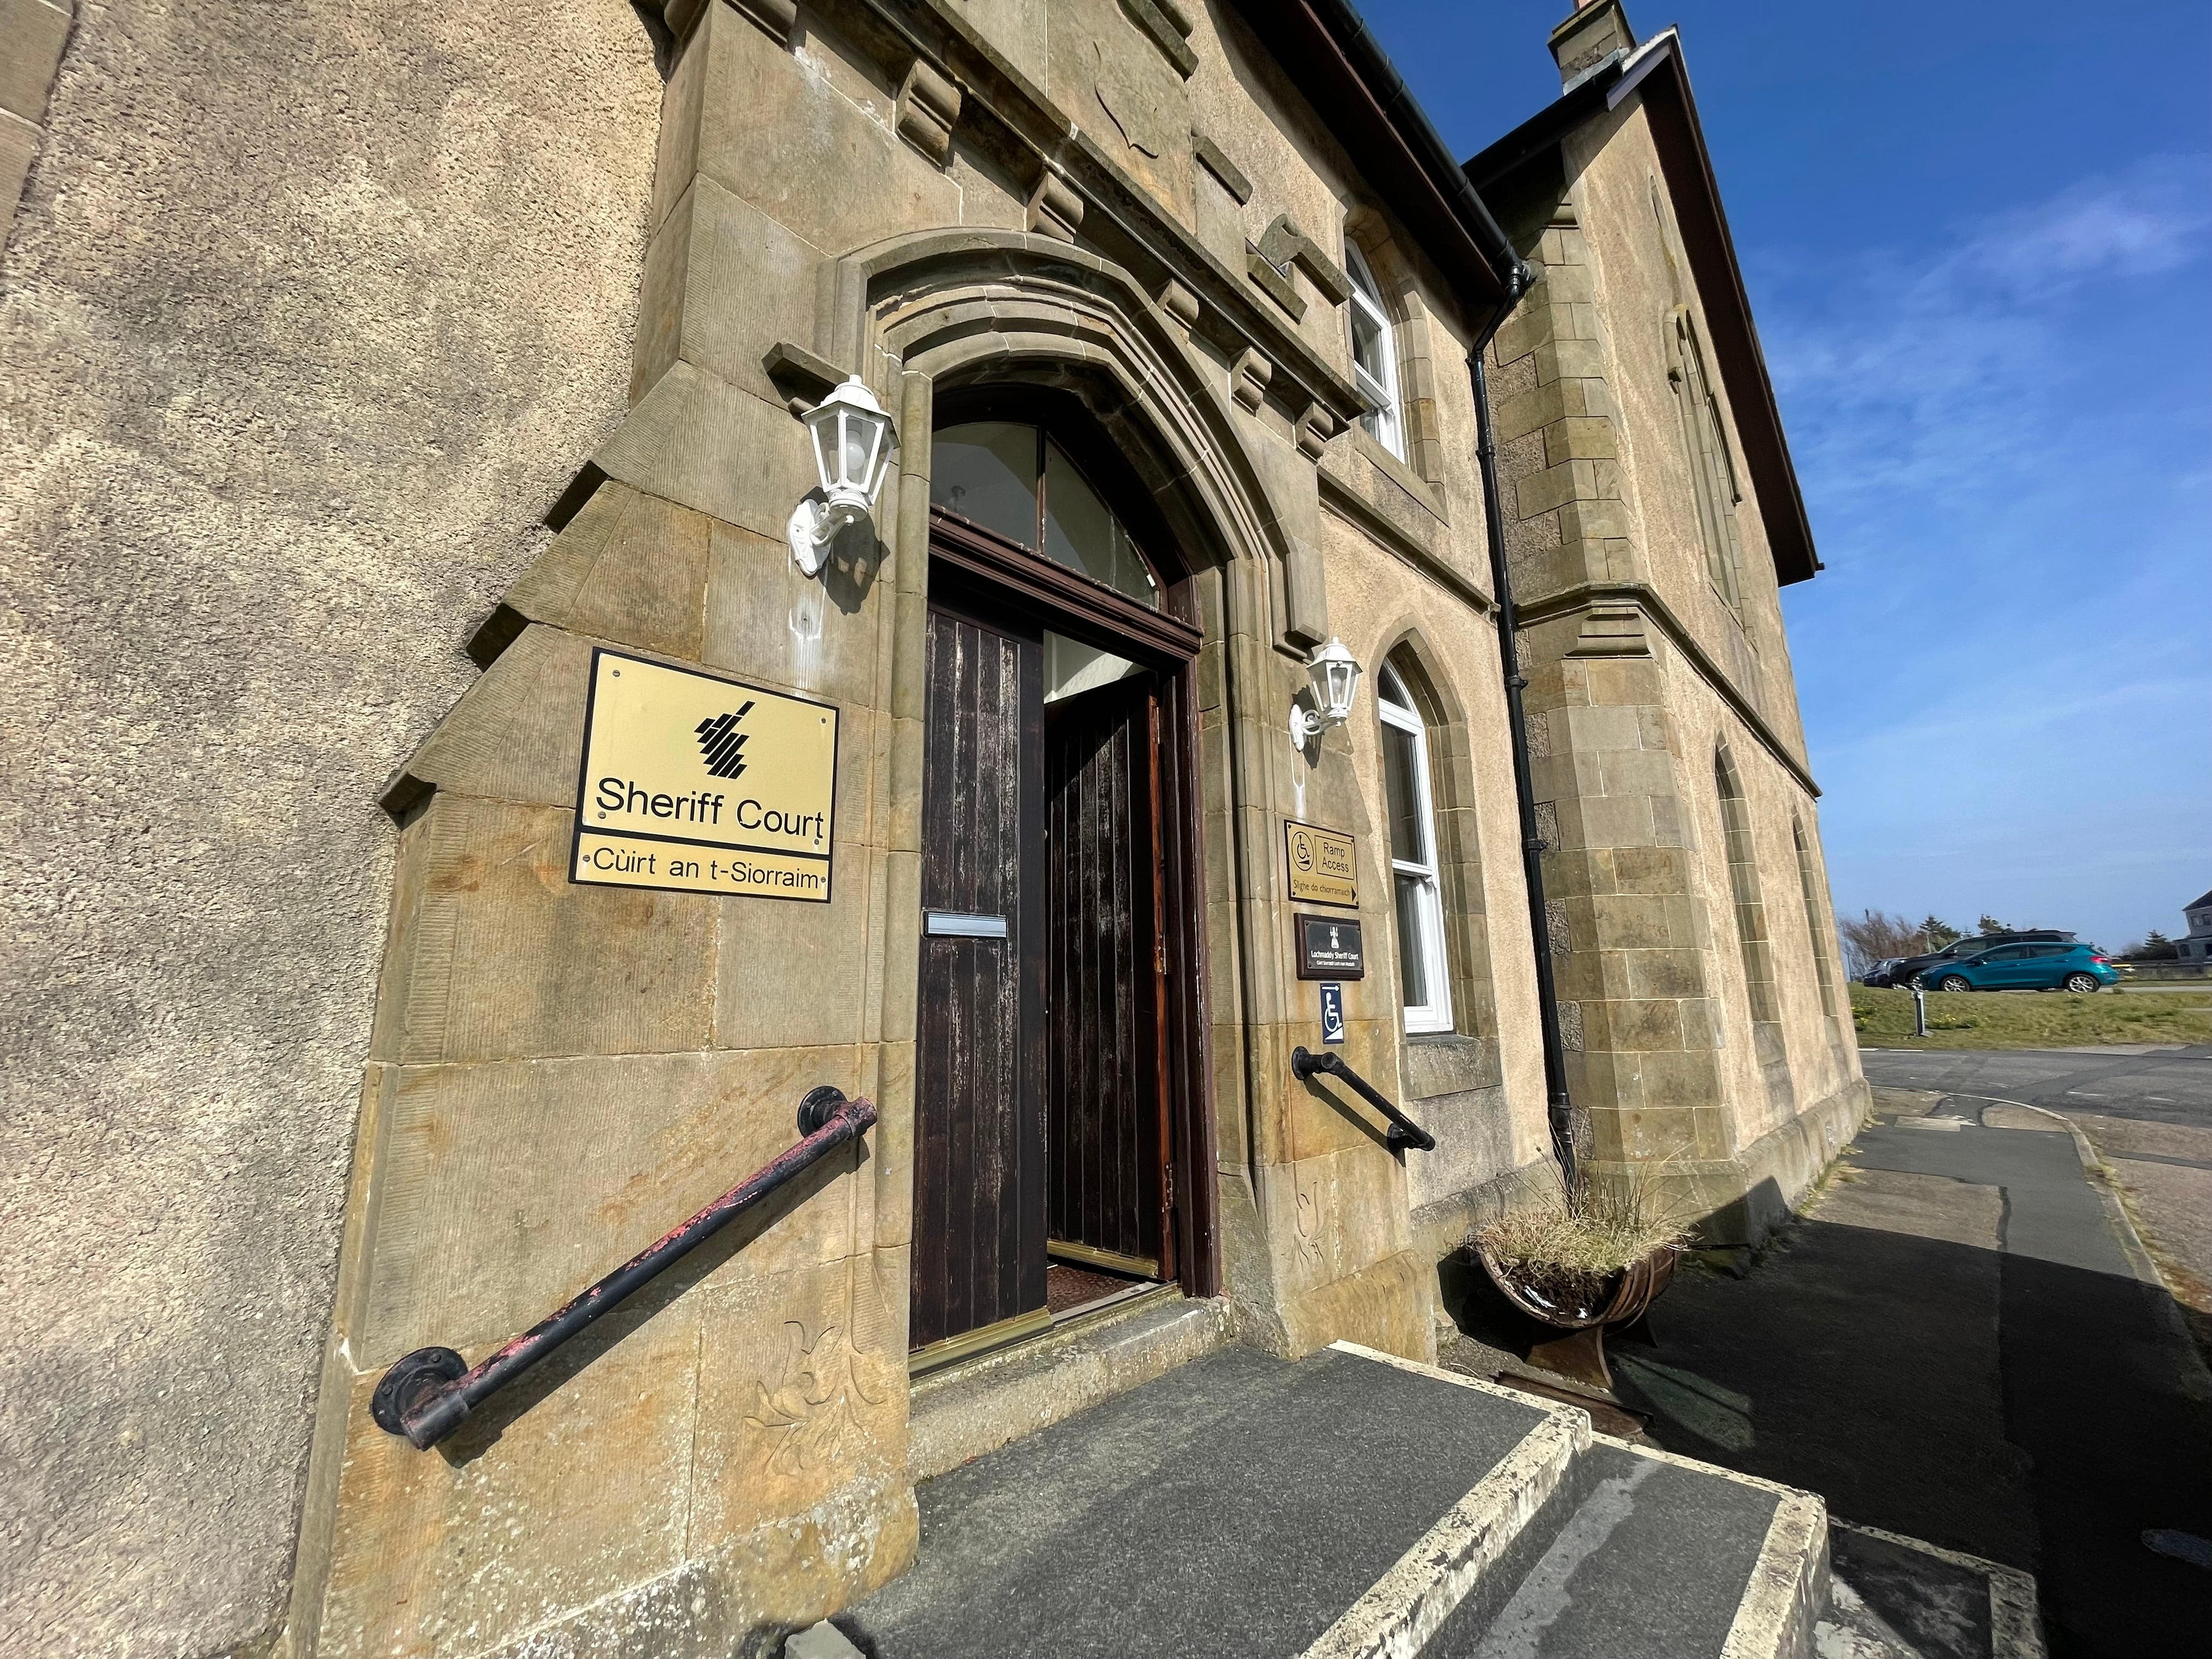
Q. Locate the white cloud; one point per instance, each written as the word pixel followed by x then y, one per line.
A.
pixel 1923 371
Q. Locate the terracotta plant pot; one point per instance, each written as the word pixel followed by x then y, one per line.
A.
pixel 1580 1353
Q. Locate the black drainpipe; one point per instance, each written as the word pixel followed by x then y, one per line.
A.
pixel 1558 1107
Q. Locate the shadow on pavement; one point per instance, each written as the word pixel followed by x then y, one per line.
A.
pixel 2012 1407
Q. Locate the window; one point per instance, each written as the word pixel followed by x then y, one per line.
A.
pixel 1374 354
pixel 1010 477
pixel 1423 974
pixel 1712 469
pixel 1743 888
pixel 1815 918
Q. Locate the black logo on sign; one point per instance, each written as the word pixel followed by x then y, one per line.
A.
pixel 722 744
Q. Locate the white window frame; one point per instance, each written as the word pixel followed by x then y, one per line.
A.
pixel 1385 422
pixel 1394 705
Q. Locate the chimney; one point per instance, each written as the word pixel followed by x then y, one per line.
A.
pixel 1597 28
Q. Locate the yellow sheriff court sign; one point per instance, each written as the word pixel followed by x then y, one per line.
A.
pixel 695 784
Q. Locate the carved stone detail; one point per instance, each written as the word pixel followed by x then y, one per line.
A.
pixel 1612 631
pixel 824 1407
pixel 1181 304
pixel 1055 208
pixel 1215 161
pixel 776 18
pixel 928 105
pixel 1163 24
pixel 1284 248
pixel 1248 376
pixel 1316 428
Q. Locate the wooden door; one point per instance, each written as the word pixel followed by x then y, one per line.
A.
pixel 1106 1093
pixel 979 1196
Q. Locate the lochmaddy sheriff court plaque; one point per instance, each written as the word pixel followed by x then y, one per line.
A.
pixel 695 784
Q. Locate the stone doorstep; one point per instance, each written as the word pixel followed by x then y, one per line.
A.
pixel 979 1405
pixel 1894 1597
pixel 1570 1543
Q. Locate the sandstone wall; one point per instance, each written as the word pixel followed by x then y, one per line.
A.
pixel 1641 672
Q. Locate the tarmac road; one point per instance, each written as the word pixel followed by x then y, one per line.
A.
pixel 2148 1084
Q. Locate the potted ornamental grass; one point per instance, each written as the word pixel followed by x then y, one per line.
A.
pixel 1594 1255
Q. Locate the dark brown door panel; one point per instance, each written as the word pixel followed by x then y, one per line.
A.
pixel 979 1256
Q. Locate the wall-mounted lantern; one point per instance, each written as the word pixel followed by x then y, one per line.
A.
pixel 852 443
pixel 1335 675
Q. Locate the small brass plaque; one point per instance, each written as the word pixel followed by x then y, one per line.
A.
pixel 695 784
pixel 1320 864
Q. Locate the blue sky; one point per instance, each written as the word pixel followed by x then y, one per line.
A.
pixel 1979 247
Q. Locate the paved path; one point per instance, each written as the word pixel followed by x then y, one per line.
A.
pixel 2148 1111
pixel 1955 1344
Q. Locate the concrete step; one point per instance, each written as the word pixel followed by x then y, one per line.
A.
pixel 1657 1557
pixel 1237 1505
pixel 1347 1505
pixel 1893 1597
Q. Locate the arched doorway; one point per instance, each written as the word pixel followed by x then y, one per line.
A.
pixel 1057 1021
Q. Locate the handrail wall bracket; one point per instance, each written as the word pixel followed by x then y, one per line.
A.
pixel 427 1394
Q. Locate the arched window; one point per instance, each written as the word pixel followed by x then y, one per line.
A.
pixel 1816 918
pixel 1743 885
pixel 1712 467
pixel 1374 354
pixel 1424 972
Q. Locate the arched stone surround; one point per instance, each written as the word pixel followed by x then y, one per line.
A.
pixel 960 308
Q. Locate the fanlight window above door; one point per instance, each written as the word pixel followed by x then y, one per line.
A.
pixel 1011 479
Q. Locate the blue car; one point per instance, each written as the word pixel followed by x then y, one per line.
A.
pixel 2073 967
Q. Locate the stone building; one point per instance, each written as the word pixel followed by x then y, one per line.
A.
pixel 2195 945
pixel 381 383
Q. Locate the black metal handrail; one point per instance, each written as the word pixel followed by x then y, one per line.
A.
pixel 428 1394
pixel 1404 1132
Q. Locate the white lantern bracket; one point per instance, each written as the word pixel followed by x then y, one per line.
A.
pixel 852 440
pixel 1334 673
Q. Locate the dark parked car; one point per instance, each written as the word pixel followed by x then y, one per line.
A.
pixel 1912 968
pixel 2050 967
pixel 1878 976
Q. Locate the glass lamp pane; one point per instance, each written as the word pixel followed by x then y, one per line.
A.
pixel 1342 681
pixel 986 471
pixel 1409 840
pixel 860 434
pixel 1412 942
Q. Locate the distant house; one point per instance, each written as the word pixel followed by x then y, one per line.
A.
pixel 2197 946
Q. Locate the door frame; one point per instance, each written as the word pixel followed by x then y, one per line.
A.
pixel 964 558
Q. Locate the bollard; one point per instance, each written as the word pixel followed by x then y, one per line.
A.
pixel 1919 1011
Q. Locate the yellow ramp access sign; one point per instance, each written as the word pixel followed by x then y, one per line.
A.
pixel 695 784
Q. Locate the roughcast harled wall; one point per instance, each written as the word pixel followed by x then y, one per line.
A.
pixel 307 314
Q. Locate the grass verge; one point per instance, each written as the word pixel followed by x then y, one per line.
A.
pixel 2029 1019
